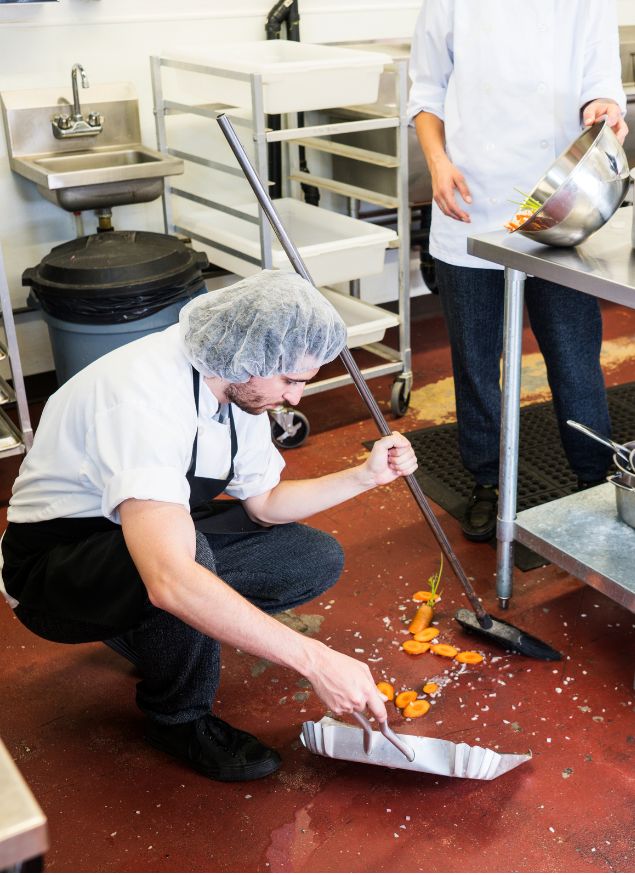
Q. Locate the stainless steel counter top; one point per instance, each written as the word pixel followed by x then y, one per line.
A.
pixel 603 266
pixel 23 831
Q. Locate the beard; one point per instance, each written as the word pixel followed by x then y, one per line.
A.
pixel 246 398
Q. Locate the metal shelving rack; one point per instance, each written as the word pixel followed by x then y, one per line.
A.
pixel 13 440
pixel 315 137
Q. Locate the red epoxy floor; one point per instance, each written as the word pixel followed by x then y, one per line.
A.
pixel 68 717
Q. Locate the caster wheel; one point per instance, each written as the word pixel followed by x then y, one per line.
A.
pixel 399 401
pixel 289 428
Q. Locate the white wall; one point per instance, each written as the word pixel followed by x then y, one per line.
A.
pixel 626 11
pixel 114 39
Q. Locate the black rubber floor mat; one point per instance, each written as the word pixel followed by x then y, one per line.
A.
pixel 543 470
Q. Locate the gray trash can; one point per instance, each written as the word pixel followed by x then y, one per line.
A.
pixel 75 345
pixel 99 292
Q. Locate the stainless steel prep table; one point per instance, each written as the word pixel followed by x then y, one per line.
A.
pixel 580 533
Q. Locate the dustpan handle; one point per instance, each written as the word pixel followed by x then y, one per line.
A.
pixel 349 362
pixel 387 732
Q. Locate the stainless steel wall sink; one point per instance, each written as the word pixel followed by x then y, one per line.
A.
pixel 111 168
pixel 104 162
pixel 99 178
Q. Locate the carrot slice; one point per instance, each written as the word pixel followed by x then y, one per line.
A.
pixel 424 595
pixel 430 688
pixel 444 650
pixel 427 634
pixel 470 657
pixel 386 690
pixel 422 619
pixel 415 647
pixel 405 698
pixel 416 709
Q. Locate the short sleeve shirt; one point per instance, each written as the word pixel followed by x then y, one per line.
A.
pixel 124 427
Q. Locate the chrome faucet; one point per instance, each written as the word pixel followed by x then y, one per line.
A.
pixel 77 68
pixel 76 125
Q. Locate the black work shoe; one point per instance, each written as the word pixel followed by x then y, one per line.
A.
pixel 479 519
pixel 215 748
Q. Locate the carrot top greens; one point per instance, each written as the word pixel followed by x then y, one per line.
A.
pixel 434 582
pixel 527 203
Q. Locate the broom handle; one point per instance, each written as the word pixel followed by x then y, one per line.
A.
pixel 349 363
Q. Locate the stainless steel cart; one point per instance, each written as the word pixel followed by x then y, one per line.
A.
pixel 13 440
pixel 366 324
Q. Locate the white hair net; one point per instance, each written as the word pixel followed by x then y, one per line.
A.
pixel 273 322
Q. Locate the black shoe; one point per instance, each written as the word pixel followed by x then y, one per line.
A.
pixel 479 519
pixel 215 748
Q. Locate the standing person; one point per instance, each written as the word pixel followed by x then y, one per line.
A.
pixel 499 89
pixel 113 535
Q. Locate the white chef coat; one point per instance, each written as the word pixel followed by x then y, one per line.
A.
pixel 508 78
pixel 124 427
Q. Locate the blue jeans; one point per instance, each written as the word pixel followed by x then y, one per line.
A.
pixel 568 327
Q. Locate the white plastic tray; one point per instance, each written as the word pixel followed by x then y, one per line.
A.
pixel 365 323
pixel 295 76
pixel 335 248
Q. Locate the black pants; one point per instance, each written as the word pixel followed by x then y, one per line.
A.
pixel 279 569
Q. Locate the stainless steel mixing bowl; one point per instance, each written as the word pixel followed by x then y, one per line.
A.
pixel 580 191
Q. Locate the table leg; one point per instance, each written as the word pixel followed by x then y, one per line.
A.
pixel 510 426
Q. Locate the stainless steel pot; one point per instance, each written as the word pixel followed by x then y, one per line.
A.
pixel 627 475
pixel 625 500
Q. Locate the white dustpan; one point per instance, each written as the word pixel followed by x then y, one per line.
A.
pixel 341 741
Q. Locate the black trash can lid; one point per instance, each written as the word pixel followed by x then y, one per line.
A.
pixel 116 263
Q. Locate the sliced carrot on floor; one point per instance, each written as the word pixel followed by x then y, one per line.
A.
pixel 427 634
pixel 421 620
pixel 405 698
pixel 444 650
pixel 386 690
pixel 470 657
pixel 414 648
pixel 424 595
pixel 416 709
pixel 430 688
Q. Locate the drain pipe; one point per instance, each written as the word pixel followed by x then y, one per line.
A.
pixel 104 220
pixel 79 223
pixel 278 16
pixel 286 12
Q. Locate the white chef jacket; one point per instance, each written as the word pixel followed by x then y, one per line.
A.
pixel 124 427
pixel 508 78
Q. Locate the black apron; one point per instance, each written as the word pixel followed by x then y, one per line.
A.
pixel 78 571
pixel 216 517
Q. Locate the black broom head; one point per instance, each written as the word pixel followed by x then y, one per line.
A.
pixel 507 636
